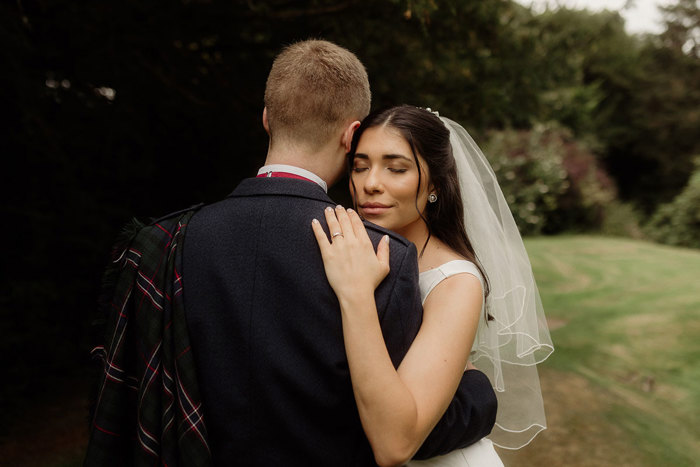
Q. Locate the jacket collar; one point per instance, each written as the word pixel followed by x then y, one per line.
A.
pixel 275 186
pixel 291 169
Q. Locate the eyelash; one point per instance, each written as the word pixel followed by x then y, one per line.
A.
pixel 362 169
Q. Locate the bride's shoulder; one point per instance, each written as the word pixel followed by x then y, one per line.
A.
pixel 451 265
pixel 438 253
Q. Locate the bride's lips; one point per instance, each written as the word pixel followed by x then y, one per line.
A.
pixel 373 209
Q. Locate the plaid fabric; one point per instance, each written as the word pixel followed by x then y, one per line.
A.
pixel 148 409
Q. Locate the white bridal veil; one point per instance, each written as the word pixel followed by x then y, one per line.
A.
pixel 509 347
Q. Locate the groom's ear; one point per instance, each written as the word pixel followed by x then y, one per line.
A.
pixel 348 134
pixel 265 122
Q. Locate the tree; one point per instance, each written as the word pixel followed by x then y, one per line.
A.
pixel 660 139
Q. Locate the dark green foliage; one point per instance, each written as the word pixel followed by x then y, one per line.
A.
pixel 678 222
pixel 633 99
pixel 587 58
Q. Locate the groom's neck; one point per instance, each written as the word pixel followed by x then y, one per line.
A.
pixel 323 163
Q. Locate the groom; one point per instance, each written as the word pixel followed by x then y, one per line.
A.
pixel 265 325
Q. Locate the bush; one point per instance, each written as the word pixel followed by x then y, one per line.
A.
pixel 552 182
pixel 621 220
pixel 678 222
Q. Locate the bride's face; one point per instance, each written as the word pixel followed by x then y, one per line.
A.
pixel 385 179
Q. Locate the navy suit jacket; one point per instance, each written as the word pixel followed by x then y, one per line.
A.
pixel 266 334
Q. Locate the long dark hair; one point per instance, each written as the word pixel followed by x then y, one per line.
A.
pixel 429 137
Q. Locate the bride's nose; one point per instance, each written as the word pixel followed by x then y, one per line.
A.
pixel 373 183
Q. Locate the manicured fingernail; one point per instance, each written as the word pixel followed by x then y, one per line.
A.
pixel 329 209
pixel 339 207
pixel 315 221
pixel 386 238
pixel 350 210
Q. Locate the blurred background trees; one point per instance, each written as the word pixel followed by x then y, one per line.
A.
pixel 122 108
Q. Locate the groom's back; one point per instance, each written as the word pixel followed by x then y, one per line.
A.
pixel 266 330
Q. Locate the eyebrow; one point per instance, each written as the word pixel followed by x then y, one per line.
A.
pixel 385 156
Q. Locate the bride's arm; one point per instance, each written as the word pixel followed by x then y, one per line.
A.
pixel 398 408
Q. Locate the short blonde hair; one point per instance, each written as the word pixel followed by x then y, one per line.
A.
pixel 314 88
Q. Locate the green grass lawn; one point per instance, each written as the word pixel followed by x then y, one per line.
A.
pixel 623 385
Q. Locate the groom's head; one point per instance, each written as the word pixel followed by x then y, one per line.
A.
pixel 314 91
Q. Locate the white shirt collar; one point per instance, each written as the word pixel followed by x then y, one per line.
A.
pixel 296 171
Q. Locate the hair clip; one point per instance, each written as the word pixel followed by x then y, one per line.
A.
pixel 435 112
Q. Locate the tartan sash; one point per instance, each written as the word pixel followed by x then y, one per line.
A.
pixel 148 409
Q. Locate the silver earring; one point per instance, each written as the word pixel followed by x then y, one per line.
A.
pixel 432 197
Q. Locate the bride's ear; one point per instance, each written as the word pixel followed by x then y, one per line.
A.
pixel 348 134
pixel 432 189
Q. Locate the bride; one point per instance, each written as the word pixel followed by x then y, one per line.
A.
pixel 423 177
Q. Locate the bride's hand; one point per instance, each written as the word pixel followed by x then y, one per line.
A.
pixel 349 258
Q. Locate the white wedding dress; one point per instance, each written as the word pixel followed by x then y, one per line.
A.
pixel 481 453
